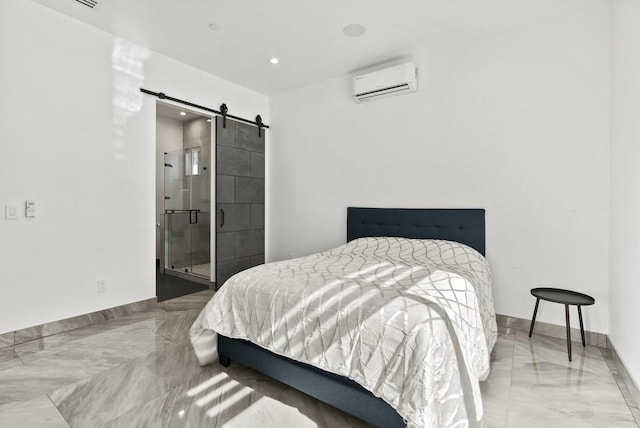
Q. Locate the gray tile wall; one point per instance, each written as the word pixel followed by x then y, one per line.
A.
pixel 236 217
pixel 257 216
pixel 225 189
pixel 246 137
pixel 225 136
pixel 249 190
pixel 226 269
pixel 249 243
pixel 257 260
pixel 226 245
pixel 257 164
pixel 233 162
pixel 240 193
pixel 195 130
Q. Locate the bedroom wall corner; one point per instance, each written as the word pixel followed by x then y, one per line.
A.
pixel 625 185
pixel 516 122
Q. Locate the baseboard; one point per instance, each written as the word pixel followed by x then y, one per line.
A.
pixel 546 329
pixel 630 390
pixel 503 321
pixel 39 331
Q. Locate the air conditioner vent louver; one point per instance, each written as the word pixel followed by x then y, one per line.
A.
pixel 394 80
pixel 92 4
pixel 386 91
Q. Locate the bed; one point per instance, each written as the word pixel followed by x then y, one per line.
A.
pixel 459 320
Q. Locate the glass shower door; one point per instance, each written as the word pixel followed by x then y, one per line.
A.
pixel 187 218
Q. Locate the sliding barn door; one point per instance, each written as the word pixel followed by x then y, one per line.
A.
pixel 239 198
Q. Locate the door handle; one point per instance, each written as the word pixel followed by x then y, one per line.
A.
pixel 221 217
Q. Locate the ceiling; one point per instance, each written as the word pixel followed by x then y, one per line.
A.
pixel 165 110
pixel 306 35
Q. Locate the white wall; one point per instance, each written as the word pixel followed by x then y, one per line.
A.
pixel 169 138
pixel 625 183
pixel 79 139
pixel 514 122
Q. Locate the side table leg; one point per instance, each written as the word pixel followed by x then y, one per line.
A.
pixel 566 312
pixel 533 320
pixel 581 326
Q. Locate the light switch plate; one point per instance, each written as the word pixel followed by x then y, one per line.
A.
pixel 30 209
pixel 11 211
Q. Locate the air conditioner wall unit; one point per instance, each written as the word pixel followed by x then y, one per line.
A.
pixel 396 80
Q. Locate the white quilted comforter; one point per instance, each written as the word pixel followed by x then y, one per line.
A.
pixel 412 321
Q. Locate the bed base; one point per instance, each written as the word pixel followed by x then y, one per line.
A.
pixel 466 226
pixel 335 390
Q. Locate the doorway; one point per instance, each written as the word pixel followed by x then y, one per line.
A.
pixel 183 202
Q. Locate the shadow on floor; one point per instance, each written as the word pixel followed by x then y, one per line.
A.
pixel 170 287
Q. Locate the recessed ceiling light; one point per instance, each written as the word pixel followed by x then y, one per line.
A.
pixel 183 113
pixel 354 30
pixel 274 60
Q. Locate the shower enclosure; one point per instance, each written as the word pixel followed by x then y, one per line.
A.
pixel 187 218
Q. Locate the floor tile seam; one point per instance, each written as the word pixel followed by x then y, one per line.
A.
pixel 15 357
pixel 86 379
pixel 83 382
pixel 128 361
pixel 167 335
pixel 513 359
pixel 9 405
pixel 18 356
pixel 163 396
pixel 57 409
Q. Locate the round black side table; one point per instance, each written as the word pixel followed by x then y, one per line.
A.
pixel 565 297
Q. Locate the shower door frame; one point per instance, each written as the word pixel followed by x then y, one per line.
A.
pixel 165 266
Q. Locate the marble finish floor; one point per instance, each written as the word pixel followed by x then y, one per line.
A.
pixel 140 371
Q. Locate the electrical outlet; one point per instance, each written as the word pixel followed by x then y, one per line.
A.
pixel 102 285
pixel 11 211
pixel 291 255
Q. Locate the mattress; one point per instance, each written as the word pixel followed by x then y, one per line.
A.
pixel 410 320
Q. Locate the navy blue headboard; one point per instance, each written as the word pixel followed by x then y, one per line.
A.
pixel 460 225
